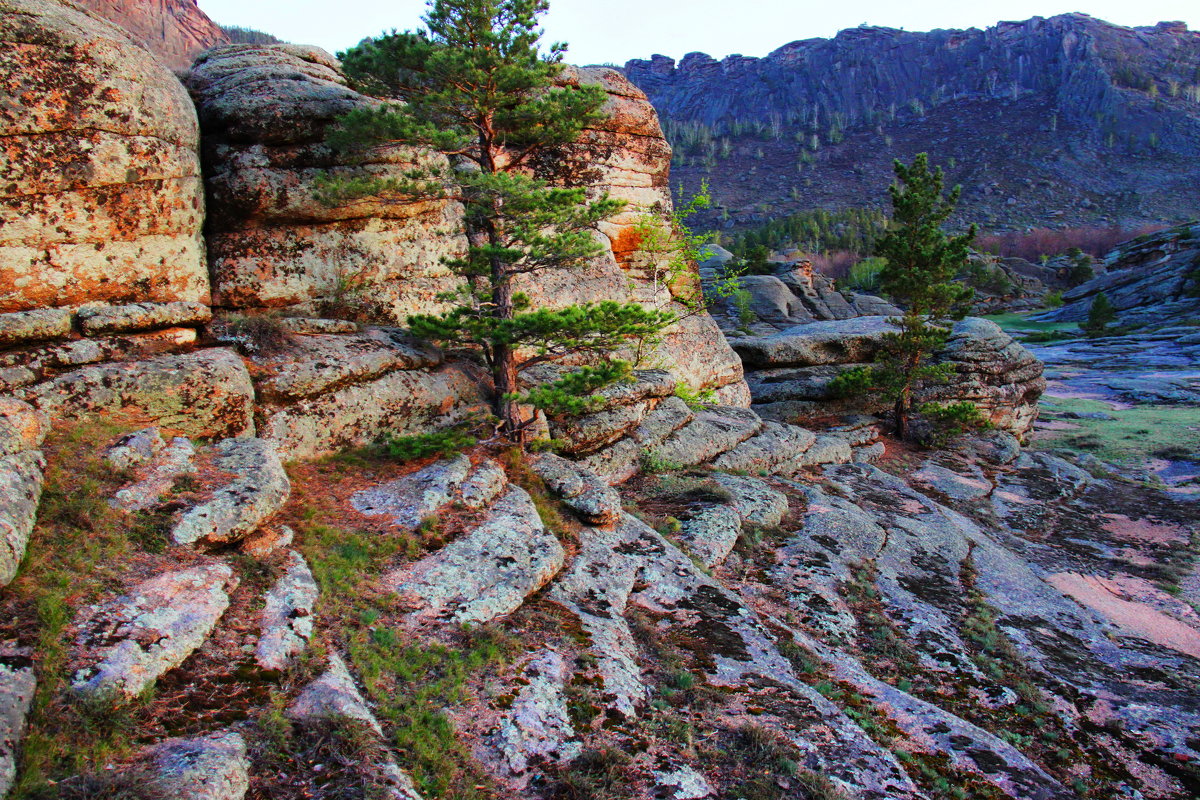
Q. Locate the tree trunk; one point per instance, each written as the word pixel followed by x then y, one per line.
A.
pixel 901 413
pixel 504 357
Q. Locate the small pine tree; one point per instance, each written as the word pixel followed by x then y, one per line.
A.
pixel 921 263
pixel 476 89
pixel 1101 314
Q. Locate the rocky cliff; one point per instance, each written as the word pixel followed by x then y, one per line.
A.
pixel 174 30
pixel 1066 119
pixel 215 587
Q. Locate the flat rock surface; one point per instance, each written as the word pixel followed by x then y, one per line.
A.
pixel 17 685
pixel 259 488
pixel 488 571
pixel 95 320
pixel 132 640
pixel 778 448
pixel 538 725
pixel 21 479
pixel 205 394
pixel 287 616
pixel 157 477
pixel 713 432
pixel 409 500
pixel 333 694
pixel 213 767
pixel 579 488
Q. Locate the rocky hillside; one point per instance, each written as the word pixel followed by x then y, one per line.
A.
pixel 174 30
pixel 219 581
pixel 1065 120
pixel 1153 280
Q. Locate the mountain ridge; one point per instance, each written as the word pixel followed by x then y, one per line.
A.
pixel 1102 110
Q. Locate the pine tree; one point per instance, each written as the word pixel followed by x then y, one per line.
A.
pixel 476 89
pixel 921 262
pixel 1100 315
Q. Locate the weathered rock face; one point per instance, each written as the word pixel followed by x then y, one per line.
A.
pixel 17 685
pixel 132 640
pixel 264 111
pixel 211 767
pixel 100 193
pixel 174 30
pixel 794 295
pixel 1152 280
pixel 206 394
pixel 22 430
pixel 791 370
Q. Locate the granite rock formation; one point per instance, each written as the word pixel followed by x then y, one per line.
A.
pixel 689 601
pixel 100 192
pixel 264 110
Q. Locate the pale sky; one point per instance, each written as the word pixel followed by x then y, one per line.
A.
pixel 614 31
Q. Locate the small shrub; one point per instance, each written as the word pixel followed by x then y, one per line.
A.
pixel 852 383
pixel 1101 314
pixel 255 334
pixel 865 275
pixel 654 463
pixel 952 420
pixel 444 443
pixel 1053 299
pixel 696 399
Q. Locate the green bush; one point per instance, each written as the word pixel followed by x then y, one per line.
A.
pixel 1100 316
pixel 952 420
pixel 696 399
pixel 444 443
pixel 852 383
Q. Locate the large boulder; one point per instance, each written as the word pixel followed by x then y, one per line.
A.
pixel 790 371
pixel 264 110
pixel 795 294
pixel 100 191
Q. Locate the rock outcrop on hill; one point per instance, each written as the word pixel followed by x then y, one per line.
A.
pixel 174 30
pixel 1153 280
pixel 1037 119
pixel 795 332
pixel 272 243
pixel 790 371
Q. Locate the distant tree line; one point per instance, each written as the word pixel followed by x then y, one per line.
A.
pixel 817 231
pixel 239 35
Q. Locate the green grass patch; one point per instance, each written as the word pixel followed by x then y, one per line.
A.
pixel 1135 436
pixel 76 555
pixel 1013 321
pixel 411 684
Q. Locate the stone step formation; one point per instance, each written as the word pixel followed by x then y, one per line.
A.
pixel 722 582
